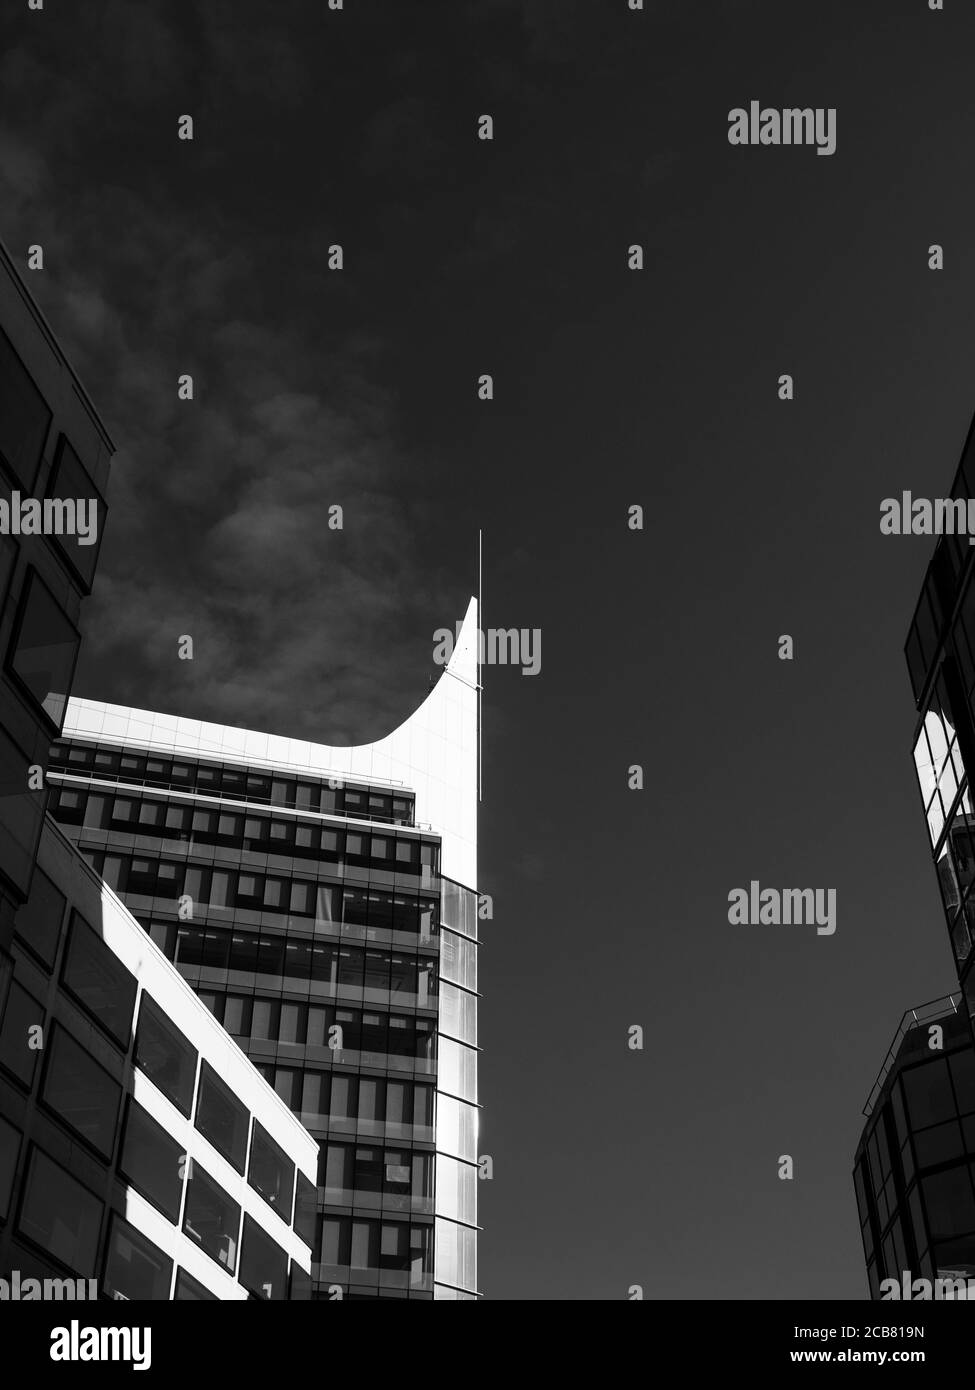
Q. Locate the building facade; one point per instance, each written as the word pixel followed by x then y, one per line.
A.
pixel 321 902
pixel 941 660
pixel 53 447
pixel 914 1173
pixel 140 1150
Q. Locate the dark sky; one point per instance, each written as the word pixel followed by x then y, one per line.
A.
pixel 612 1167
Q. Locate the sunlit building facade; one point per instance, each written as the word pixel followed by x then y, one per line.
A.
pixel 321 902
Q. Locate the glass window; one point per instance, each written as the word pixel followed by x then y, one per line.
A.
pixel 237 1015
pixel 60 1215
pixel 456 1189
pixel 456 1254
pixel 263 1264
pixel 336 1240
pixel 290 1028
pixel 165 1056
pixel 99 981
pixel 949 1204
pixel 458 1013
pixel 22 1014
pixel 9 1152
pixel 306 1204
pixel 135 1269
pixel 458 960
pixel 940 1144
pixel 44 648
pixel 222 1118
pixel 24 416
pixel 21 814
pixel 365 1244
pixel 81 1092
pixel 188 1288
pixel 70 481
pixel 928 1093
pixel 271 1172
pixel 152 1160
pixel 211 1218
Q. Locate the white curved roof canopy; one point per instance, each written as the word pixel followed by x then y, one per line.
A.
pixel 433 752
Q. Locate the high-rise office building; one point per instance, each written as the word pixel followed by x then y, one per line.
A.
pixel 915 1165
pixel 143 1152
pixel 914 1172
pixel 941 660
pixel 321 902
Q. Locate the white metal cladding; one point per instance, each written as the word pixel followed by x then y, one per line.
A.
pixel 433 752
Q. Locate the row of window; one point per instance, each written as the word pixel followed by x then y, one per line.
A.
pixel 371 974
pixel 232 780
pixel 327 904
pixel 87 1098
pixel 323 1025
pixel 360 1168
pixel 255 834
pixel 344 1101
pixel 25 419
pixel 43 649
pixel 361 1243
pixel 63 1217
pixel 926 1124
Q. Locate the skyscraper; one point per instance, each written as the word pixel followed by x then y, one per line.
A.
pixel 941 659
pixel 322 903
pixel 914 1172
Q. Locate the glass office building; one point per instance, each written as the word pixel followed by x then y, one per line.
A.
pixel 914 1173
pixel 941 660
pixel 53 447
pixel 321 902
pixel 140 1150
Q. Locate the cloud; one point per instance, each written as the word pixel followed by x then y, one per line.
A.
pixel 219 508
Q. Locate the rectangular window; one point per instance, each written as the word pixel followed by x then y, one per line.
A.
pixel 237 1015
pixel 165 1056
pixel 81 1092
pixel 264 1019
pixel 152 1161
pixel 9 1153
pixel 70 483
pixel 290 1029
pixel 38 922
pixel 263 1264
pixel 24 417
pixel 99 981
pixel 189 1289
pixel 44 649
pixel 19 1034
pixel 306 1205
pixel 212 1219
pixel 271 1172
pixel 21 814
pixel 222 1118
pixel 60 1215
pixel 336 1240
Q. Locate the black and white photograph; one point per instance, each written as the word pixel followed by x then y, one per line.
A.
pixel 487 677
